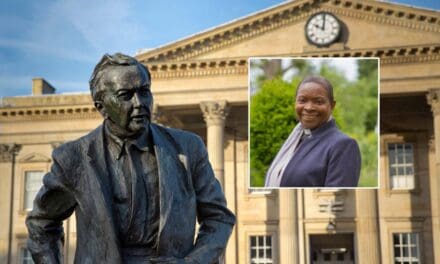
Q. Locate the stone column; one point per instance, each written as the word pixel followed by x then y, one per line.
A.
pixel 215 113
pixel 433 98
pixel 288 231
pixel 8 152
pixel 367 231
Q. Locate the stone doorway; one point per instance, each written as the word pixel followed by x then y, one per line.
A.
pixel 332 249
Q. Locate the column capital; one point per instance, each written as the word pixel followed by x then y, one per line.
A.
pixel 7 151
pixel 56 144
pixel 157 115
pixel 433 98
pixel 215 112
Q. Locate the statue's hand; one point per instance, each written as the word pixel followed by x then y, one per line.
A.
pixel 170 260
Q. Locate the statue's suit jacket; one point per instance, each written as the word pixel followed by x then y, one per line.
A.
pixel 79 182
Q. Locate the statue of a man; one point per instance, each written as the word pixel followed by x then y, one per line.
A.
pixel 136 188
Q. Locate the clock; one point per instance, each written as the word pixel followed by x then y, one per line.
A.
pixel 322 29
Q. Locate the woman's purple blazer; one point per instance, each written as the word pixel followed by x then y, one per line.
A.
pixel 328 158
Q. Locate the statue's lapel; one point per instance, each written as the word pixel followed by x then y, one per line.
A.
pixel 98 176
pixel 99 205
pixel 171 172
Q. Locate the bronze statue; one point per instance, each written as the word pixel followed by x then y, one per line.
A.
pixel 136 188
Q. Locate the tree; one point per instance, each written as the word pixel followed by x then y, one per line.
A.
pixel 272 119
pixel 269 69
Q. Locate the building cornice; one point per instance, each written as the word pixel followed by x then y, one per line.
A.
pixel 11 114
pixel 47 107
pixel 47 100
pixel 231 66
pixel 198 68
pixel 383 13
pixel 388 55
pixel 286 14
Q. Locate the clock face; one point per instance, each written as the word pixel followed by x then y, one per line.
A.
pixel 322 29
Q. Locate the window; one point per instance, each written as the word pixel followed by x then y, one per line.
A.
pixel 406 248
pixel 261 249
pixel 401 165
pixel 25 257
pixel 32 183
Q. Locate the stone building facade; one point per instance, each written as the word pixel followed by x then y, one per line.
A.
pixel 200 84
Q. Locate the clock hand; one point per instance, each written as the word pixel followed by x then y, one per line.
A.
pixel 323 22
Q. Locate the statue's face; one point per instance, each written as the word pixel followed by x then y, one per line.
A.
pixel 127 99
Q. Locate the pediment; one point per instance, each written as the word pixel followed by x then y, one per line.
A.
pixel 35 157
pixel 279 31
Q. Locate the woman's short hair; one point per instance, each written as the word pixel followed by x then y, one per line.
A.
pixel 321 81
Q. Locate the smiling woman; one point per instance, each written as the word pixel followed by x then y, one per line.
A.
pixel 316 153
pixel 314 102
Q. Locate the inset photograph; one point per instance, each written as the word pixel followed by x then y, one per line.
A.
pixel 313 122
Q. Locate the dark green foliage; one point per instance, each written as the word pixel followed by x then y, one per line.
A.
pixel 272 120
pixel 272 116
pixel 367 69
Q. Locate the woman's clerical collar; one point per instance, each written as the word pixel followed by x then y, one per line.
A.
pixel 308 132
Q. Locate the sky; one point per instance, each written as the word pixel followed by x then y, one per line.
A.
pixel 62 40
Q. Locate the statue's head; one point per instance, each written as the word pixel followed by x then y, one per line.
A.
pixel 120 88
